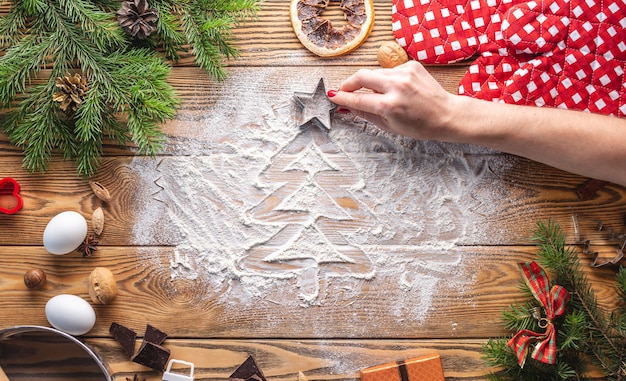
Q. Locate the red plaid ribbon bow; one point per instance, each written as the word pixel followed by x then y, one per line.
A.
pixel 553 301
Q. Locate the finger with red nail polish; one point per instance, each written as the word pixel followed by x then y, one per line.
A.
pixel 342 110
pixel 331 93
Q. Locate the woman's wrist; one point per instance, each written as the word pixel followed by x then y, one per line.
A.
pixel 459 123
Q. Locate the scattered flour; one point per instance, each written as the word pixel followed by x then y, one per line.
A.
pixel 258 209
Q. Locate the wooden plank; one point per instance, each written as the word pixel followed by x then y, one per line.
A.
pixel 337 360
pixel 283 359
pixel 455 293
pixel 247 96
pixel 317 359
pixel 270 40
pixel 250 94
pixel 422 264
pixel 499 206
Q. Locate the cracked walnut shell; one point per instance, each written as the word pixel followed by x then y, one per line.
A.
pixel 102 286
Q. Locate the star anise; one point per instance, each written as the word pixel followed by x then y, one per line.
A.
pixel 88 246
pixel 135 378
pixel 137 19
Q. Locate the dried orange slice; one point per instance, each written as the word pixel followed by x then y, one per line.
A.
pixel 322 38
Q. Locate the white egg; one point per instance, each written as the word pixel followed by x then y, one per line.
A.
pixel 64 233
pixel 70 314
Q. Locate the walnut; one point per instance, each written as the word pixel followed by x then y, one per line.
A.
pixel 391 54
pixel 102 286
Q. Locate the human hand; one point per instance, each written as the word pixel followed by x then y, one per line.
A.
pixel 405 100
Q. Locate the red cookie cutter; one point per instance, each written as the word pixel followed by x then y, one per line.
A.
pixel 10 190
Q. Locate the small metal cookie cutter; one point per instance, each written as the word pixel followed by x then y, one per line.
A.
pixel 168 375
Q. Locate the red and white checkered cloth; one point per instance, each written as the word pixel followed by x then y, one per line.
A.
pixel 557 53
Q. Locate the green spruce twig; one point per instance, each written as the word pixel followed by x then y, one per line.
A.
pixel 127 93
pixel 603 341
pixel 586 330
pixel 204 27
pixel 126 96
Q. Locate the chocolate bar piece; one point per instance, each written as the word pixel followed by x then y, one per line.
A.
pixel 152 355
pixel 125 336
pixel 248 371
pixel 425 368
pixel 154 335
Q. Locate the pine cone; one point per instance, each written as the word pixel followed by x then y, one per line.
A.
pixel 137 19
pixel 72 92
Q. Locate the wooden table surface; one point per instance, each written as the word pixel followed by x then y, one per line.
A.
pixel 409 248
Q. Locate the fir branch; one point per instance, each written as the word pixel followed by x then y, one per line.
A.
pixel 106 33
pixel 572 336
pixel 32 7
pixel 77 35
pixel 11 26
pixel 218 34
pixel 77 45
pixel 37 129
pixel 565 371
pixel 89 118
pixel 123 79
pixel 585 331
pixel 240 10
pixel 206 55
pixel 205 27
pixel 519 317
pixel 20 64
pixel 149 101
pixel 88 155
pixel 169 30
pixel 497 353
pixel 603 342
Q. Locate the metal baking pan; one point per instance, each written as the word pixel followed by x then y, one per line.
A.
pixel 43 353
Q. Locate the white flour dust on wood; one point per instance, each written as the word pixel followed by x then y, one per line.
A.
pixel 257 209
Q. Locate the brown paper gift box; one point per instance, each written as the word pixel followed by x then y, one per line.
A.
pixel 425 368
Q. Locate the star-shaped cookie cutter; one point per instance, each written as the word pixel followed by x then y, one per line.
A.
pixel 314 109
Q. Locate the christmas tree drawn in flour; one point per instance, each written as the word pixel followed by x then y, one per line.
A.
pixel 311 202
pixel 278 212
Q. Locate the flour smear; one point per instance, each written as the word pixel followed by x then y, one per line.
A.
pixel 260 210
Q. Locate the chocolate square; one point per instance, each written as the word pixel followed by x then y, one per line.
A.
pixel 248 371
pixel 154 335
pixel 125 336
pixel 152 355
